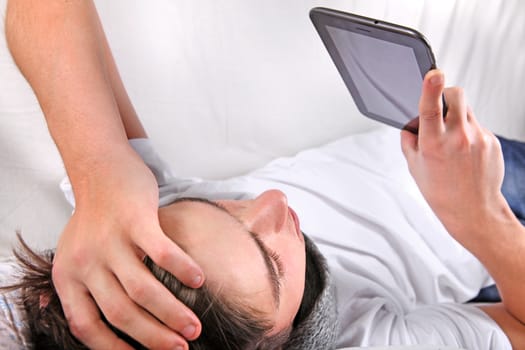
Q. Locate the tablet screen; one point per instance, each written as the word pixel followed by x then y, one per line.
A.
pixel 386 74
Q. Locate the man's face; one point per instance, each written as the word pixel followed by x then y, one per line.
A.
pixel 251 249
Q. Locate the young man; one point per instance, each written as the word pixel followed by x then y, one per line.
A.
pixel 456 163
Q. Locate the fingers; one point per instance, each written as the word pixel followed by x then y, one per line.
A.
pixel 145 290
pixel 122 309
pixel 430 105
pixel 457 116
pixel 166 254
pixel 130 318
pixel 431 124
pixel 83 317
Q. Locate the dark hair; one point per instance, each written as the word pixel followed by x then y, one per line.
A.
pixel 226 324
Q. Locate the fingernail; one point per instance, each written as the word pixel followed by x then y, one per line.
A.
pixel 437 79
pixel 197 280
pixel 189 331
pixel 179 348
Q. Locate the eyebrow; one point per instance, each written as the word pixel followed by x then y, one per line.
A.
pixel 273 276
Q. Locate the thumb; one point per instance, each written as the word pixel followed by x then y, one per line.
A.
pixel 430 105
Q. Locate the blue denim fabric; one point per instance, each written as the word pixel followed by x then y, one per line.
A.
pixel 514 181
pixel 514 191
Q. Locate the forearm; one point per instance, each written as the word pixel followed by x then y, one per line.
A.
pixel 60 48
pixel 132 124
pixel 514 329
pixel 498 240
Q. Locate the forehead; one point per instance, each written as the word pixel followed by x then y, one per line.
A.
pixel 231 258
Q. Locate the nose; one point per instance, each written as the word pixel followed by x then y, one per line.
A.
pixel 268 213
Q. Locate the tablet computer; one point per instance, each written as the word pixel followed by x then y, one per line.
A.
pixel 382 64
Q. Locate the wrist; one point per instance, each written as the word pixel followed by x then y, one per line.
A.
pixel 485 225
pixel 102 171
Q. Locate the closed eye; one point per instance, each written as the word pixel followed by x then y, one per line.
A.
pixel 272 260
pixel 278 262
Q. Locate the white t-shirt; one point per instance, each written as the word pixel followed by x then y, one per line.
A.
pixel 400 279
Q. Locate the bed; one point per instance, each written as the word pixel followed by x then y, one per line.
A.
pixel 225 88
